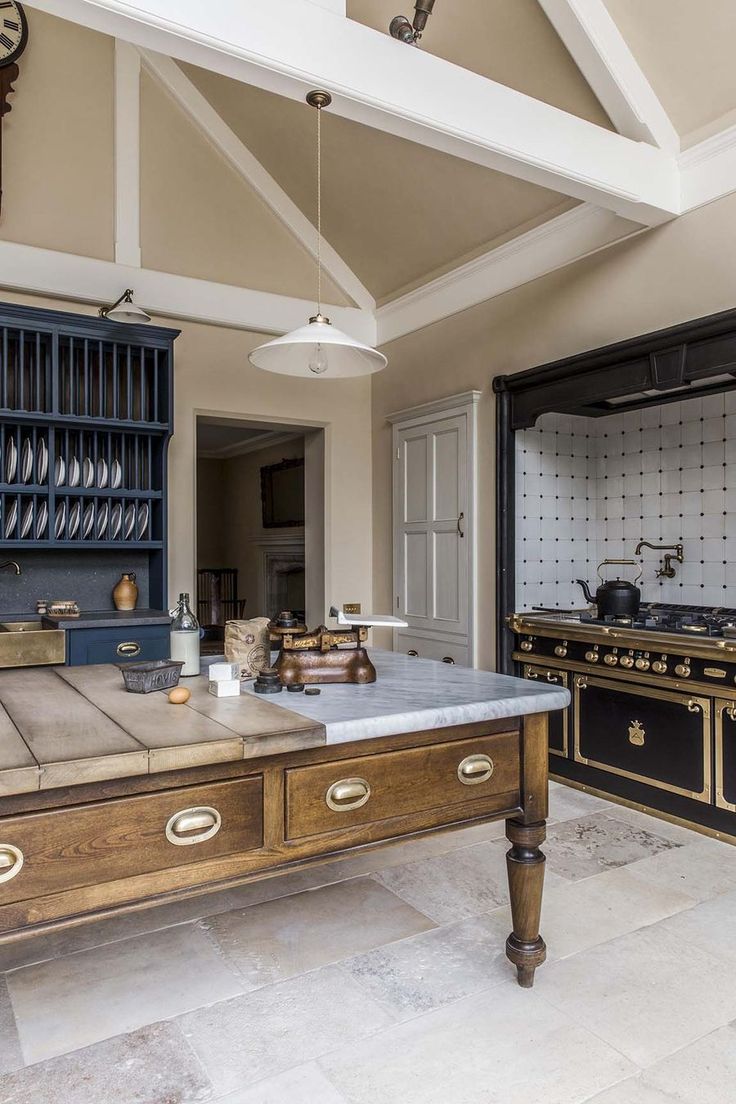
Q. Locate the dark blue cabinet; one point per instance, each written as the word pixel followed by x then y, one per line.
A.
pixel 116 645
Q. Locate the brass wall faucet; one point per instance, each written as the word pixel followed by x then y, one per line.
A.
pixel 11 563
pixel 676 552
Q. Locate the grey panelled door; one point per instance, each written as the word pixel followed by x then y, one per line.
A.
pixel 431 506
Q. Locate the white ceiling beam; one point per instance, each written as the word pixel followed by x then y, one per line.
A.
pixel 605 60
pixel 226 142
pixel 708 170
pixel 127 155
pixel 556 243
pixel 25 268
pixel 288 47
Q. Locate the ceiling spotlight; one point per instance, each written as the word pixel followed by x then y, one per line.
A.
pixel 124 310
pixel 410 33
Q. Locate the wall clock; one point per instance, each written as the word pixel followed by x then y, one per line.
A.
pixel 13 40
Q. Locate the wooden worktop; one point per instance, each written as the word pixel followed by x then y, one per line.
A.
pixel 67 726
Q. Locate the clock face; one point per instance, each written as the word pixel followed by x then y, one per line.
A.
pixel 13 31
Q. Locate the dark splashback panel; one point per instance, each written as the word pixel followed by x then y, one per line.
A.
pixel 88 577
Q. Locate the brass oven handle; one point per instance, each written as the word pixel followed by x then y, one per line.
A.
pixel 348 793
pixel 11 861
pixel 201 821
pixel 129 648
pixel 475 769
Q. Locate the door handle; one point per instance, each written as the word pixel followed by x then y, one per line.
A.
pixel 348 793
pixel 202 822
pixel 11 861
pixel 460 532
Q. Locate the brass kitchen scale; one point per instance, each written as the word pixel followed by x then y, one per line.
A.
pixel 331 655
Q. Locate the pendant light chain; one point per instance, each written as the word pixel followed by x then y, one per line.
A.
pixel 319 210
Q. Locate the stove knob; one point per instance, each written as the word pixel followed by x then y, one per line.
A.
pixel 592 657
pixel 560 650
pixel 627 661
pixel 659 667
pixel 642 664
pixel 682 670
pixel 610 659
pixel 526 645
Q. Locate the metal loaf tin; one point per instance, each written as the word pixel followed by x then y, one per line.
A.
pixel 155 674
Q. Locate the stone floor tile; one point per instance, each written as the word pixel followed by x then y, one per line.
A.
pixel 578 915
pixel 656 825
pixel 505 1046
pixel 151 1066
pixel 115 989
pixel 266 1032
pixel 303 1085
pixel 278 939
pixel 702 1073
pixel 454 886
pixel 644 993
pixel 703 869
pixel 711 926
pixel 437 967
pixel 10 1054
pixel 588 845
pixel 96 933
pixel 568 803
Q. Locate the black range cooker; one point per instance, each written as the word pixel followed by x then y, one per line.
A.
pixel 653 713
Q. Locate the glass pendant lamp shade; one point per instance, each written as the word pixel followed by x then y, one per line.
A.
pixel 318 349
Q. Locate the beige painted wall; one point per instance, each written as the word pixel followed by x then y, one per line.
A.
pixel 682 270
pixel 57 141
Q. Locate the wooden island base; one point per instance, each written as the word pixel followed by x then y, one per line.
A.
pixel 75 853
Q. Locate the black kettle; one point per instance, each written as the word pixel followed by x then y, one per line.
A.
pixel 616 597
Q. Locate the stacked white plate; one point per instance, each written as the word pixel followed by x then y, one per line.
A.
pixel 42 461
pixel 11 461
pixel 27 522
pixel 102 515
pixel 60 520
pixel 11 520
pixel 88 520
pixel 116 520
pixel 129 521
pixel 42 520
pixel 143 517
pixel 26 462
pixel 74 517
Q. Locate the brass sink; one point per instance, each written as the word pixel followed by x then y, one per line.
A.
pixel 29 644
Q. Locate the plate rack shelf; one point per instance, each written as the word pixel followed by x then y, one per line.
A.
pixel 86 415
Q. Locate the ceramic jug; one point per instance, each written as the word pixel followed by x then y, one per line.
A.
pixel 125 594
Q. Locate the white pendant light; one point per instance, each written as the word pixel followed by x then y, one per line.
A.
pixel 125 310
pixel 318 349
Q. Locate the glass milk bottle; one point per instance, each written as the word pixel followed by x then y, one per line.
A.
pixel 185 637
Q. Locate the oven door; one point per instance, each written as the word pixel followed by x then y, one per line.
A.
pixel 726 754
pixel 641 732
pixel 559 721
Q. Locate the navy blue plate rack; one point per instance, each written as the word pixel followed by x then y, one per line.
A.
pixel 86 415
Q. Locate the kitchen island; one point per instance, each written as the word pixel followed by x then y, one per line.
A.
pixel 110 800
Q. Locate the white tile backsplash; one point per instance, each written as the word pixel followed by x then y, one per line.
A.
pixel 589 489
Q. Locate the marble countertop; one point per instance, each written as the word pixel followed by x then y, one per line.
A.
pixel 111 619
pixel 411 694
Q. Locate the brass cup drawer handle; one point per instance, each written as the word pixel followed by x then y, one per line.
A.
pixel 11 861
pixel 475 769
pixel 348 793
pixel 129 648
pixel 194 825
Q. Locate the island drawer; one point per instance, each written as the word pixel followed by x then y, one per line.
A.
pixel 461 778
pixel 50 852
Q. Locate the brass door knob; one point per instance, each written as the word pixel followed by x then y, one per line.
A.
pixel 642 664
pixel 526 645
pixel 194 825
pixel 627 661
pixel 592 657
pixel 560 650
pixel 659 667
pixel 610 659
pixel 682 670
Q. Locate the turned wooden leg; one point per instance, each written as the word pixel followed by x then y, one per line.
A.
pixel 525 862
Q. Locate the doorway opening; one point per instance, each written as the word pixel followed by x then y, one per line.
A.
pixel 259 522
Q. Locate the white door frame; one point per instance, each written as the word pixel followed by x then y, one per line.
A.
pixel 464 404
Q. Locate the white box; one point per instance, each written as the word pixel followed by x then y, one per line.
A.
pixel 224 672
pixel 225 688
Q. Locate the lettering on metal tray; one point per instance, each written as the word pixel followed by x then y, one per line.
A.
pixel 636 734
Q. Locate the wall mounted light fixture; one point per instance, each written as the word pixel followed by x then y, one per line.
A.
pixel 124 310
pixel 410 33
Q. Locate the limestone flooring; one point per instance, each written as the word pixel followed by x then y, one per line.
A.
pixel 381 979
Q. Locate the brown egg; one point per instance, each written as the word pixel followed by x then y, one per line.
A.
pixel 179 695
